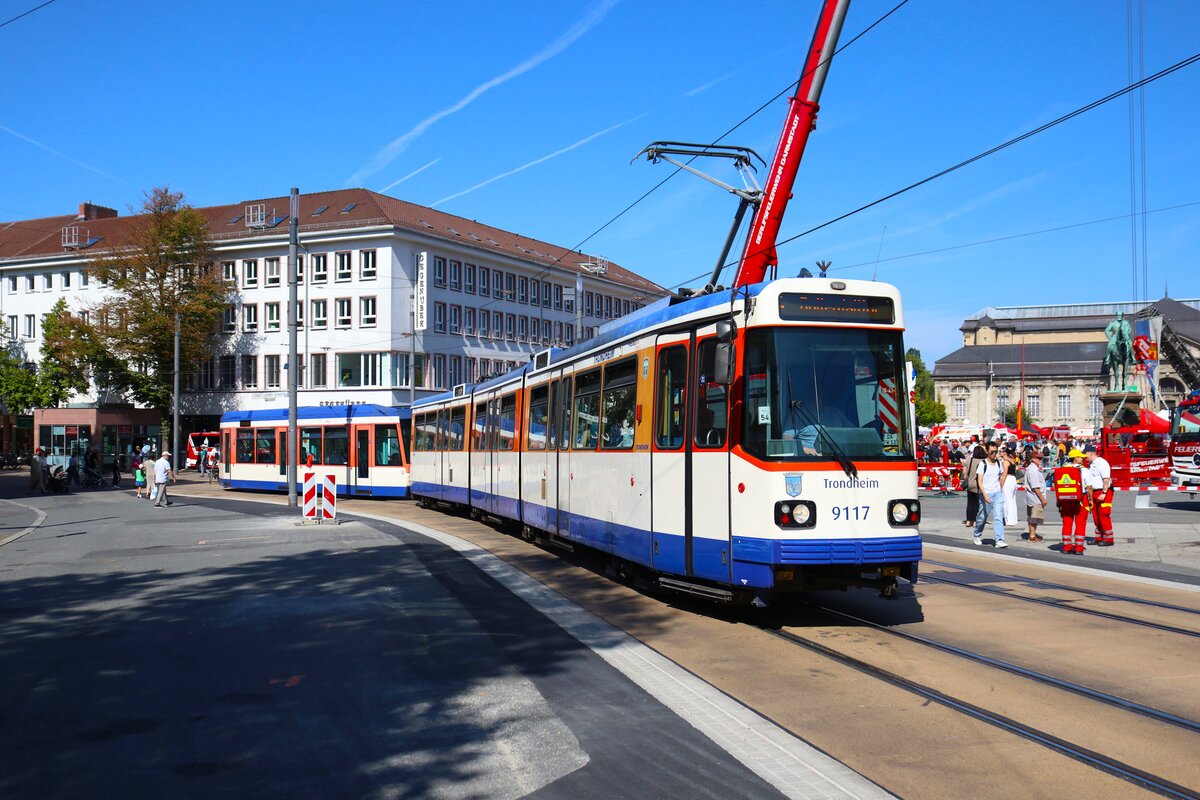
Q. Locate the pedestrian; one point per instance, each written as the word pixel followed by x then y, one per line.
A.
pixel 37 471
pixel 163 474
pixel 971 482
pixel 139 479
pixel 1035 494
pixel 73 468
pixel 1008 485
pixel 1062 452
pixel 116 471
pixel 202 461
pixel 1098 477
pixel 1071 495
pixel 991 500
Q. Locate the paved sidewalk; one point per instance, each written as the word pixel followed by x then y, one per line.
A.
pixel 1161 541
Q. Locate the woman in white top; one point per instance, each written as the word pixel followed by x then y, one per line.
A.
pixel 1009 488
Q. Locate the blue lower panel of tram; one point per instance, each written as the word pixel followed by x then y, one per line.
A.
pixel 342 489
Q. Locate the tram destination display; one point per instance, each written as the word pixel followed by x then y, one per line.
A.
pixel 797 307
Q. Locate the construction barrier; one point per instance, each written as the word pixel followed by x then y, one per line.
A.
pixel 320 496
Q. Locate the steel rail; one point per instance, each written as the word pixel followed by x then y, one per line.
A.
pixel 1076 752
pixel 1064 605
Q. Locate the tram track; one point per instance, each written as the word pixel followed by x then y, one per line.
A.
pixel 1064 605
pixel 1107 764
pixel 1037 582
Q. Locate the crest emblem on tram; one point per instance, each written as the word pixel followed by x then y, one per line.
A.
pixel 793 484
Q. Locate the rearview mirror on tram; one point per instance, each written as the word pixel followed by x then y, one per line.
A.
pixel 724 362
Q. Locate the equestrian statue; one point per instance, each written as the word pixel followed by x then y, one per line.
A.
pixel 1119 356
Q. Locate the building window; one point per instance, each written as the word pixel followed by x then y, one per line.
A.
pixel 229 321
pixel 320 268
pixel 510 286
pixel 439 271
pixel 545 294
pixel 299 269
pixel 250 317
pixel 510 327
pixel 342 318
pixel 455 275
pixel 249 372
pixel 522 329
pixel 228 372
pixel 587 303
pixel 12 326
pixel 1033 403
pixel 320 313
pixel 546 338
pixel 557 297
pixel 455 319
pixel 959 397
pixel 229 271
pixel 366 264
pixel 624 308
pixel 497 325
pixel 271 367
pixel 569 335
pixel 66 280
pixel 320 369
pixel 469 278
pixel 271 272
pixel 535 291
pixel 1002 400
pixel 47 281
pixel 439 317
pixel 359 369
pixel 299 313
pixel 523 290
pixel 272 314
pixel 12 284
pixel 469 321
pixel 455 370
pixel 1064 401
pixel 483 323
pixel 343 271
pixel 30 325
pixel 1094 405
pixel 206 374
pixel 569 300
pixel 83 279
pixel 607 307
pixel 250 273
pixel 484 273
pixel 366 311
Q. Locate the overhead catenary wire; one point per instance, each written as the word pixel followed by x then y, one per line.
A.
pixel 11 20
pixel 1182 64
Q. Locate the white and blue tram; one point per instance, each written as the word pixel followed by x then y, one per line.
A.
pixel 733 444
pixel 364 446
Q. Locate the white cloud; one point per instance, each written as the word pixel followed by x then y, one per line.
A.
pixel 398 145
pixel 64 156
pixel 535 162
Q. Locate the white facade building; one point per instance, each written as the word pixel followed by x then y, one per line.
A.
pixel 494 297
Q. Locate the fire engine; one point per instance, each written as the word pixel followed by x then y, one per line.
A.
pixel 1185 442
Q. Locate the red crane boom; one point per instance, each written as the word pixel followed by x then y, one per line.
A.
pixel 759 254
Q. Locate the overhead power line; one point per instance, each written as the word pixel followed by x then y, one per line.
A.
pixel 25 13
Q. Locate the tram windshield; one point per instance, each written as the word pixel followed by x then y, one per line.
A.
pixel 811 393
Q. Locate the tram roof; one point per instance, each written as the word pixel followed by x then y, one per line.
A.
pixel 356 411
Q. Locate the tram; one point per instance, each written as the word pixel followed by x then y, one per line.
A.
pixel 734 443
pixel 364 446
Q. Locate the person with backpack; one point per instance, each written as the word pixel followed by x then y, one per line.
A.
pixel 991 498
pixel 970 480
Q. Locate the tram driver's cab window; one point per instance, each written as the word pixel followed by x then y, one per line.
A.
pixel 712 418
pixel 587 410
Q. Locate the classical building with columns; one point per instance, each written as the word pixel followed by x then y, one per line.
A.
pixel 1060 351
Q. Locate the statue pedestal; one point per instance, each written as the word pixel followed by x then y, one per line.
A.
pixel 1121 409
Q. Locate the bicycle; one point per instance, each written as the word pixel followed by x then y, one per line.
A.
pixel 213 474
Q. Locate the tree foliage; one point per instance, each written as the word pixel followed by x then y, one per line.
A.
pixel 19 389
pixel 63 368
pixel 929 410
pixel 166 269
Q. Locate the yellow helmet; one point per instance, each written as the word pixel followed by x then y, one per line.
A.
pixel 1075 453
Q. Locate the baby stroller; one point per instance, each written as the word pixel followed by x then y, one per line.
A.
pixel 56 480
pixel 91 478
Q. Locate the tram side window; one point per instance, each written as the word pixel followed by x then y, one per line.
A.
pixel 456 428
pixel 671 398
pixel 264 448
pixel 337 446
pixel 539 400
pixel 479 428
pixel 425 432
pixel 443 422
pixel 245 446
pixel 620 392
pixel 711 407
pixel 508 421
pixel 387 446
pixel 564 422
pixel 587 410
pixel 552 414
pixel 310 445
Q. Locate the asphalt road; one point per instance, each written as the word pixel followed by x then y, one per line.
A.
pixel 217 649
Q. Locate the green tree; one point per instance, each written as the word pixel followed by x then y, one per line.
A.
pixel 165 268
pixel 929 410
pixel 19 389
pixel 63 368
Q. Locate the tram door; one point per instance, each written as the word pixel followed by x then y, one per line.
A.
pixel 669 459
pixel 562 464
pixel 283 454
pixel 710 549
pixel 362 460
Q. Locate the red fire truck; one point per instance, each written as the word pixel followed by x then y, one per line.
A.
pixel 1185 442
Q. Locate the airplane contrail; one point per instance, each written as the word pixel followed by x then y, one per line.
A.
pixel 397 146
pixel 416 171
pixel 49 149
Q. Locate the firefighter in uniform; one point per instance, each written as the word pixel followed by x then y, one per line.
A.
pixel 1098 475
pixel 1072 498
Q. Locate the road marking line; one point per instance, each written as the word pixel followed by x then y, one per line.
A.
pixel 1099 573
pixel 41 517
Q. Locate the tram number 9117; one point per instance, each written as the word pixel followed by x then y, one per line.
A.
pixel 847 513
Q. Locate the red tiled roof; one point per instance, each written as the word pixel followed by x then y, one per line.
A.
pixel 42 237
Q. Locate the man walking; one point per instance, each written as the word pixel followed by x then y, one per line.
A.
pixel 1098 477
pixel 1035 494
pixel 163 474
pixel 991 500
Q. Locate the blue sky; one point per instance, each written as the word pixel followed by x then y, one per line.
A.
pixel 526 116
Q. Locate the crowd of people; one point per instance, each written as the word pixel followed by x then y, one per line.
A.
pixel 151 475
pixel 1070 472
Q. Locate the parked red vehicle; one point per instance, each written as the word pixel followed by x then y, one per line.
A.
pixel 197 440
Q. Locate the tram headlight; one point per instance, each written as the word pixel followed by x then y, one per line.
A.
pixel 795 514
pixel 904 513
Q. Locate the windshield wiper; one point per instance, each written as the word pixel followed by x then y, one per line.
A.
pixel 797 407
